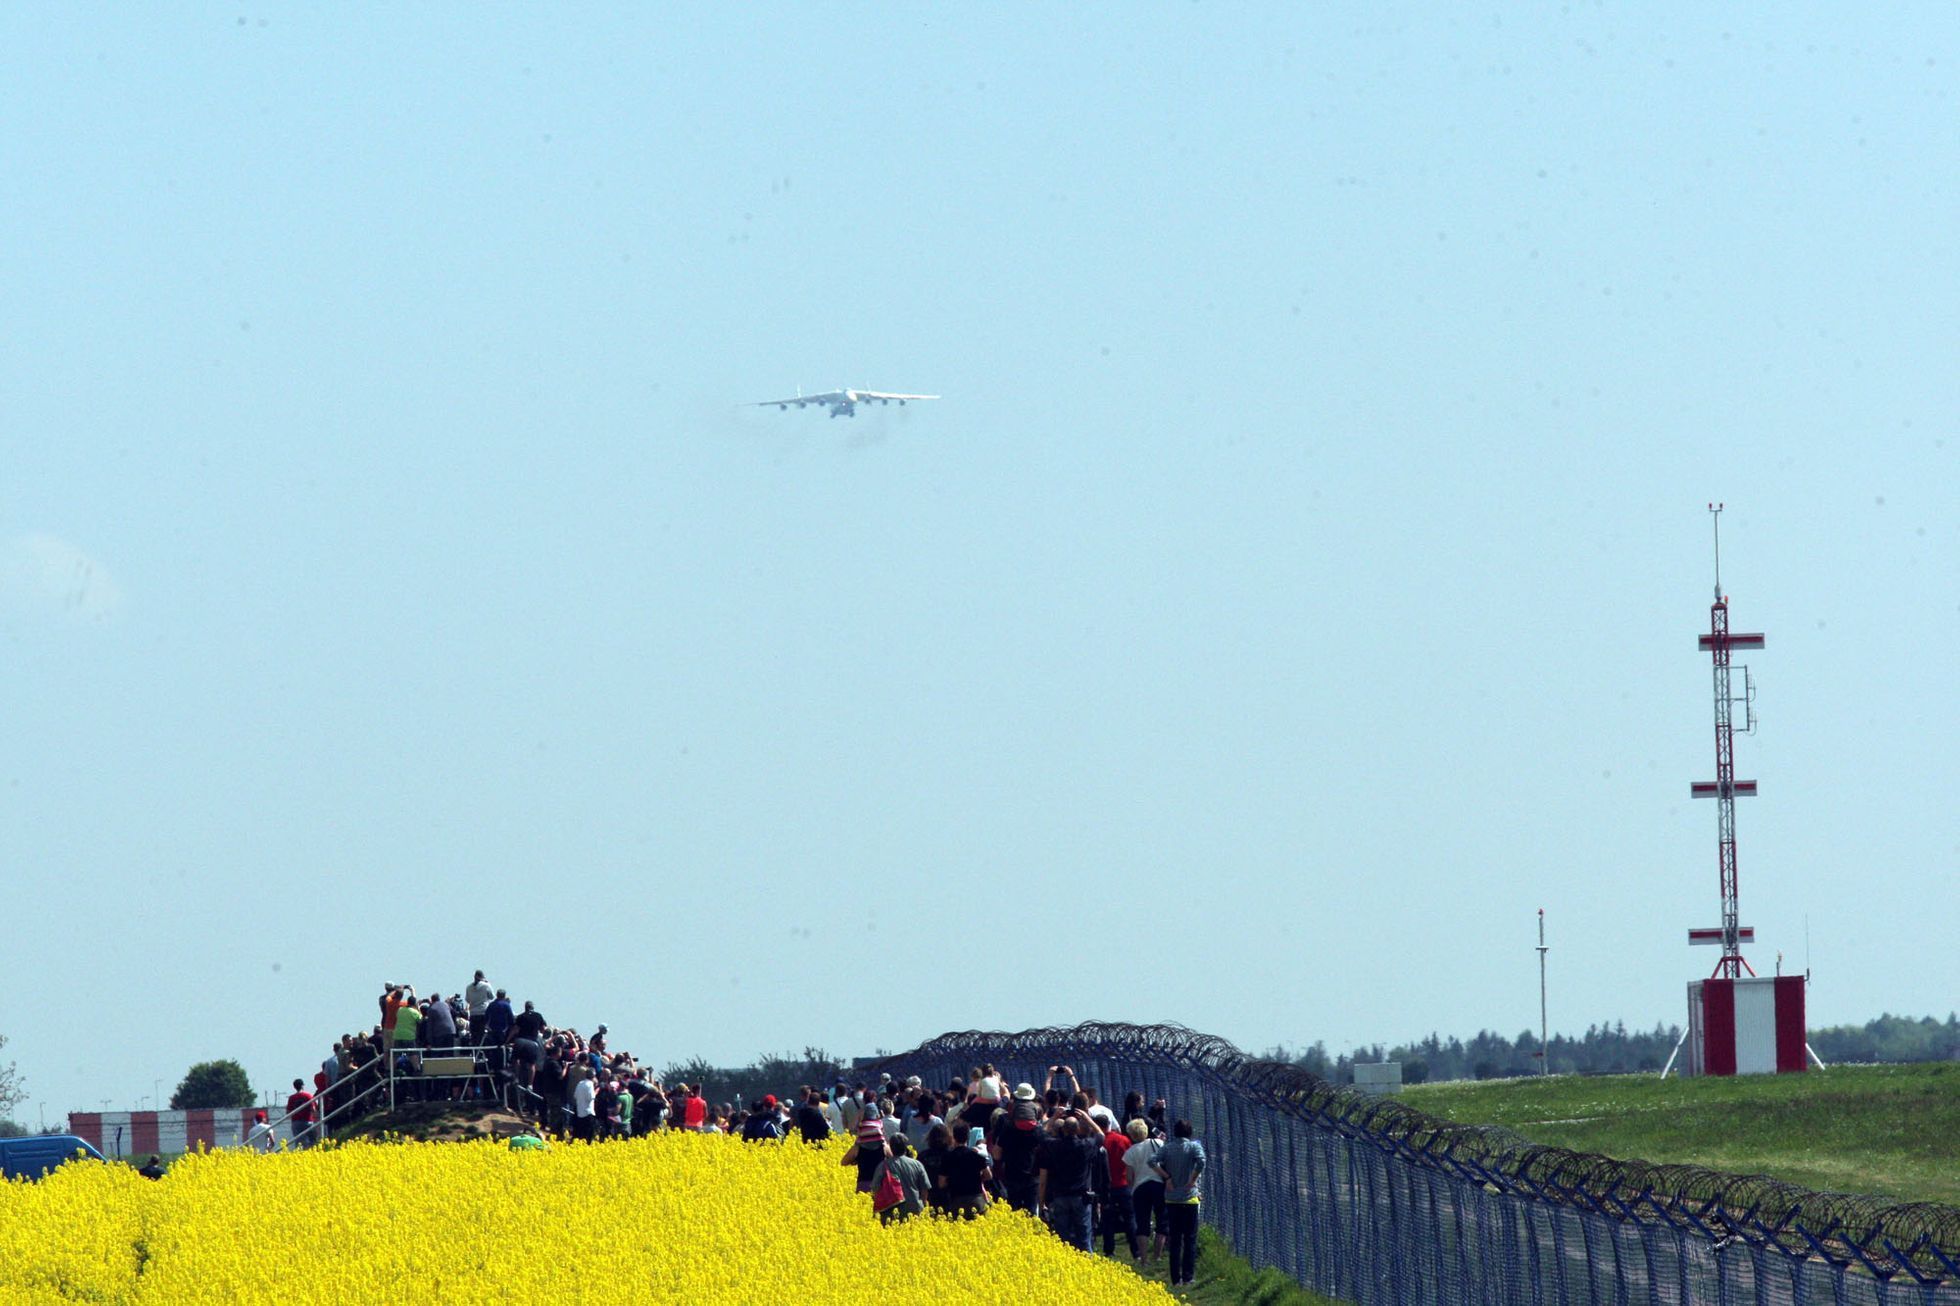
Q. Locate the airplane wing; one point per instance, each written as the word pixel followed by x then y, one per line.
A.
pixel 874 394
pixel 799 401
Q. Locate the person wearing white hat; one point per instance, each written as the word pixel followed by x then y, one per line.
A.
pixel 1014 1141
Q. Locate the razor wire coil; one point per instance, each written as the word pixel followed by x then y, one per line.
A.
pixel 1367 1199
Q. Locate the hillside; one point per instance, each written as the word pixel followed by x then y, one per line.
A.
pixel 1893 1130
pixel 437 1122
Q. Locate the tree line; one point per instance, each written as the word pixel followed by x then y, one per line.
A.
pixel 1613 1049
pixel 1605 1049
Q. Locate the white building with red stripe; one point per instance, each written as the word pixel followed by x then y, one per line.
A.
pixel 147 1133
pixel 1750 1026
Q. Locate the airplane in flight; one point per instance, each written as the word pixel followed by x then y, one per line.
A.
pixel 842 403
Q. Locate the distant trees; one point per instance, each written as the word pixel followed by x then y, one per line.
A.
pixel 12 1088
pixel 212 1085
pixel 1890 1038
pixel 773 1073
pixel 1613 1049
pixel 1602 1050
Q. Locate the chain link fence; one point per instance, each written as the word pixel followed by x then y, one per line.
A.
pixel 1370 1201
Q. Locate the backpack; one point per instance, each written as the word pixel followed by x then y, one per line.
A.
pixel 890 1191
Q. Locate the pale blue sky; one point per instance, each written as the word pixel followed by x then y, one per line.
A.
pixel 1296 589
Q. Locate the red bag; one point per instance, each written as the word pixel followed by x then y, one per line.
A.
pixel 890 1192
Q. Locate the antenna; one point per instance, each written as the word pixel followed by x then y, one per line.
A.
pixel 1720 642
pixel 1715 516
pixel 1544 1047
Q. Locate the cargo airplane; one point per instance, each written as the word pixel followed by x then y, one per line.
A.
pixel 842 403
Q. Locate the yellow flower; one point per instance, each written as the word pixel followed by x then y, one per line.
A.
pixel 675 1216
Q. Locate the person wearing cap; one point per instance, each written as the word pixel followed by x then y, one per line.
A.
pixel 1014 1141
pixel 261 1137
pixel 762 1125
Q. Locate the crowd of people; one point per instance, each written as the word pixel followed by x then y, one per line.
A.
pixel 1060 1152
pixel 475 1045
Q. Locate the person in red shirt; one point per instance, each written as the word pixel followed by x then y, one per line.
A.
pixel 393 999
pixel 299 1114
pixel 694 1112
pixel 1116 1213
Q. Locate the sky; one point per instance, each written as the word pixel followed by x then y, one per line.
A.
pixel 1295 590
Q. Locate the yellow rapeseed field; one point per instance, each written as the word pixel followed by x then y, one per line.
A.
pixel 678 1217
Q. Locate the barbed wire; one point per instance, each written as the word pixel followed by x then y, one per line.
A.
pixel 1917 1240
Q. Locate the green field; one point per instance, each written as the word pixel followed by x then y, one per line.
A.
pixel 1892 1130
pixel 1227 1279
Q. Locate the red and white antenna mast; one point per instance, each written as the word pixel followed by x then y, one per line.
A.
pixel 1725 788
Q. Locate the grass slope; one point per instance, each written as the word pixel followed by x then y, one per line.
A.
pixel 1225 1278
pixel 437 1122
pixel 1892 1130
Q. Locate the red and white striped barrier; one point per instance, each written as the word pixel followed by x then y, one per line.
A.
pixel 1746 1026
pixel 144 1133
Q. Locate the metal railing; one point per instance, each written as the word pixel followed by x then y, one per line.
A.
pixel 460 1064
pixel 1366 1199
pixel 385 1081
pixel 322 1117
